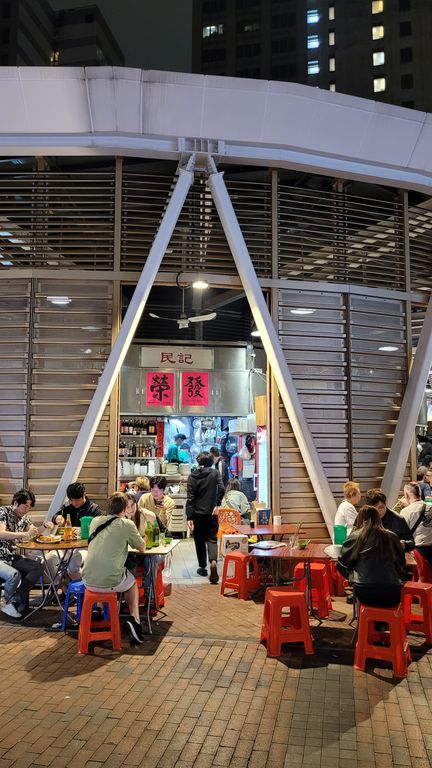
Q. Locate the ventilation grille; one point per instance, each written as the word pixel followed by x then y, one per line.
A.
pixel 335 237
pixel 57 220
pixel 198 241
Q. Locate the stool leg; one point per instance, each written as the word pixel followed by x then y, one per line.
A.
pixel 115 627
pixel 65 611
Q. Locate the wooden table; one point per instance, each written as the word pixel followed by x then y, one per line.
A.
pixel 314 552
pixel 65 550
pixel 266 530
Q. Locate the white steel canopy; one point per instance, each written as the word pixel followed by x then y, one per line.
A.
pixel 122 111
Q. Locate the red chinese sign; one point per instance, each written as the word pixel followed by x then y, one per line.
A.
pixel 195 388
pixel 160 388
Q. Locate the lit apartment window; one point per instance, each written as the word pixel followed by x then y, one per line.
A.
pixel 313 67
pixel 55 57
pixel 379 84
pixel 313 16
pixel 331 39
pixel 378 58
pixel 332 64
pixel 331 13
pixel 332 87
pixel 377 6
pixel 377 33
pixel 213 29
pixel 313 41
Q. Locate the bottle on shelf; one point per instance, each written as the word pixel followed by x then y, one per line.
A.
pixel 68 530
pixel 145 428
pixel 151 427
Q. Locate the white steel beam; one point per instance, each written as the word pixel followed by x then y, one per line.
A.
pixel 273 348
pixel 123 340
pixel 405 428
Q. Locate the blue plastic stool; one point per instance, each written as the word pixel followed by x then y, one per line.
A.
pixel 76 588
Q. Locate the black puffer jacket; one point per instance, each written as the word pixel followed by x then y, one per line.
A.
pixel 204 491
pixel 370 567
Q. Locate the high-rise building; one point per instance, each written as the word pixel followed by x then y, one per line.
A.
pixel 83 37
pixel 376 49
pixel 26 32
pixel 32 34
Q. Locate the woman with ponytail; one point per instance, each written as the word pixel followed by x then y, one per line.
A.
pixel 371 559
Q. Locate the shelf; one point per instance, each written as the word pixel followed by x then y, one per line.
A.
pixel 151 437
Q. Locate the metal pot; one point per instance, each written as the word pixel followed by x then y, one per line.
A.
pixel 184 469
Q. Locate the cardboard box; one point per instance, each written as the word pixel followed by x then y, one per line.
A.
pixel 234 542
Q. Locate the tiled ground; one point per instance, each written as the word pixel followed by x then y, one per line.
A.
pixel 201 692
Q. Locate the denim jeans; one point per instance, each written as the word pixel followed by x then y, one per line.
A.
pixel 19 577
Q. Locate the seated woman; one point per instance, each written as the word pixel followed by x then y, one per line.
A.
pixel 372 558
pixel 234 498
pixel 104 569
pixel 346 513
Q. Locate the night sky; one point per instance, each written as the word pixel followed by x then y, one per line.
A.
pixel 153 34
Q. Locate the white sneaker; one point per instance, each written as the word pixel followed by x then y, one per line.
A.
pixel 10 610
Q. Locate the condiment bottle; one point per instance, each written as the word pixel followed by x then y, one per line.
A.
pixel 68 530
pixel 156 534
pixel 149 535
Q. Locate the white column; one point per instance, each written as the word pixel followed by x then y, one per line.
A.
pixel 123 340
pixel 405 428
pixel 273 348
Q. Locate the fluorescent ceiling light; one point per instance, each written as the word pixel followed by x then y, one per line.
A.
pixel 5 233
pixel 200 284
pixel 6 263
pixel 388 348
pixel 61 301
pixel 302 311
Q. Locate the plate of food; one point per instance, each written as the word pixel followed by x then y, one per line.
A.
pixel 46 539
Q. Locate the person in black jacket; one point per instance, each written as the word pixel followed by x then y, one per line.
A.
pixel 376 497
pixel 204 492
pixel 78 506
pixel 372 558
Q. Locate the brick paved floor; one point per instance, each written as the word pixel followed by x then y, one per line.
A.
pixel 201 692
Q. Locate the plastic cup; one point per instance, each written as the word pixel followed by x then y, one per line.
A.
pixel 339 534
pixel 85 525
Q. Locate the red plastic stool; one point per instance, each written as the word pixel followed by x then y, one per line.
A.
pixel 418 622
pixel 86 634
pixel 243 580
pixel 278 628
pixel 321 600
pixel 396 651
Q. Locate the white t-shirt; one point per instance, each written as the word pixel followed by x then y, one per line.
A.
pixel 423 533
pixel 346 514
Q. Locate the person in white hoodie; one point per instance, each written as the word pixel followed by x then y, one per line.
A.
pixel 346 513
pixel 234 498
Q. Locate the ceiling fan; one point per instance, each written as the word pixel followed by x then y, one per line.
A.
pixel 183 321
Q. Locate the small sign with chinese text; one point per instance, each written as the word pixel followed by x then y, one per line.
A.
pixel 160 388
pixel 195 388
pixel 176 357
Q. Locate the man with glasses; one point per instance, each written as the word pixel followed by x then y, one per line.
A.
pixel 19 574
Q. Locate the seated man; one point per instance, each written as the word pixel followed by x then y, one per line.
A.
pixel 78 506
pixel 19 573
pixel 376 497
pixel 157 502
pixel 104 569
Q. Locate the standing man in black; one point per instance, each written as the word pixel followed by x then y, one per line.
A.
pixel 204 492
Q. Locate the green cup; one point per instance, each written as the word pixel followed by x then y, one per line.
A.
pixel 85 525
pixel 339 534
